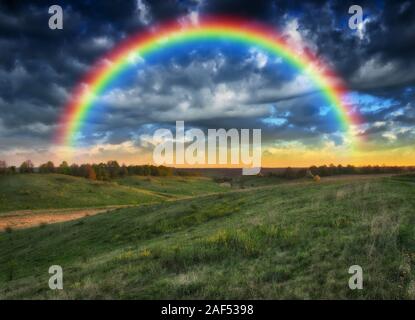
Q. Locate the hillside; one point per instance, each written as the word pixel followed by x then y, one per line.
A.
pixel 285 241
pixel 44 191
pixel 173 186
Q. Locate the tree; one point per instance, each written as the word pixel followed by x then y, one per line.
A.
pixel 350 169
pixel 113 169
pixel 42 168
pixel 323 171
pixel 90 172
pixel 313 170
pixel 64 168
pixel 26 167
pixel 50 167
pixel 123 171
pixel 309 174
pixel 74 170
pixel 3 167
pixel 101 171
pixel 47 167
pixel 332 169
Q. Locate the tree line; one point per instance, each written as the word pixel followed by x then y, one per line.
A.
pixel 101 171
pixel 332 170
pixel 112 170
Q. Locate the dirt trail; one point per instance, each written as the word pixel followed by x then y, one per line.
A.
pixel 32 218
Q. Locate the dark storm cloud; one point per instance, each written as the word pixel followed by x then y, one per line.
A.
pixel 39 67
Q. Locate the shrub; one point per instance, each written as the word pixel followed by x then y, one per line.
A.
pixel 145 253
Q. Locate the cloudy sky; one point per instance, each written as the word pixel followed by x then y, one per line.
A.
pixel 209 86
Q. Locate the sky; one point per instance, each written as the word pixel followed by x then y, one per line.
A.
pixel 221 85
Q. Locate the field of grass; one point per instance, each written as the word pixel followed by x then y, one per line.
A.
pixel 283 241
pixel 174 186
pixel 254 181
pixel 36 191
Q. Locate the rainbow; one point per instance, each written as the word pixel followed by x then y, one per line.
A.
pixel 213 28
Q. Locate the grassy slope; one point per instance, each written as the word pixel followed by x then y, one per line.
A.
pixel 287 241
pixel 36 191
pixel 174 186
pixel 53 191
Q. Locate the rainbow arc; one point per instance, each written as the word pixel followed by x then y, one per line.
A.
pixel 169 35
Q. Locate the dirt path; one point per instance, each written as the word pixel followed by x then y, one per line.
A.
pixel 32 218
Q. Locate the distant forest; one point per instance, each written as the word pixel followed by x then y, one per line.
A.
pixel 102 171
pixel 332 170
pixel 112 170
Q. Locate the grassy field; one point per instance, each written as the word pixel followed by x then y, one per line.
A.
pixel 174 186
pixel 285 241
pixel 36 191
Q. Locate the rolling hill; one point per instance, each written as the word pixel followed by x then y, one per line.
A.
pixel 284 241
pixel 174 186
pixel 52 191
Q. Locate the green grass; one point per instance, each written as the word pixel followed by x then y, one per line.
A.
pixel 255 181
pixel 409 177
pixel 283 241
pixel 174 186
pixel 37 191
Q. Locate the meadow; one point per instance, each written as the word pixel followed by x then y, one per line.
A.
pixel 269 241
pixel 52 191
